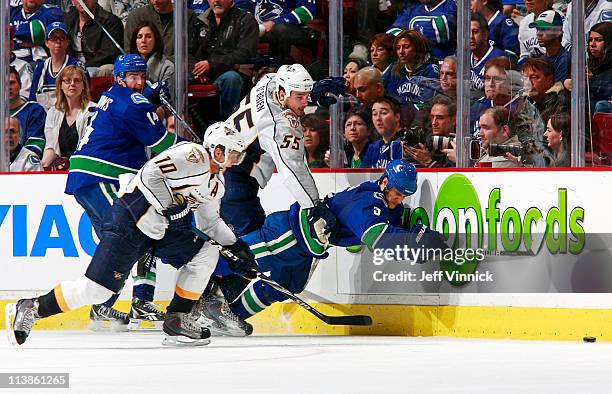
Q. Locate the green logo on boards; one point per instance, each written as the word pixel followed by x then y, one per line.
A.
pixel 459 215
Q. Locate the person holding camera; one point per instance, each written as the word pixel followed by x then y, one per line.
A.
pixel 427 150
pixel 500 145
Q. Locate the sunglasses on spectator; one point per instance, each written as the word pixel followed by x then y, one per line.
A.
pixel 70 81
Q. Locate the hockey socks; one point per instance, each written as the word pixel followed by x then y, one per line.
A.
pixel 48 304
pixel 257 297
pixel 180 304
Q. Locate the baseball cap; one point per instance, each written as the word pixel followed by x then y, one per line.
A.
pixel 56 26
pixel 548 20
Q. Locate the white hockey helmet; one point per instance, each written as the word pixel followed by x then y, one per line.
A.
pixel 226 136
pixel 293 77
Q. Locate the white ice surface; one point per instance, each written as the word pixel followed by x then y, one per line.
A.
pixel 137 363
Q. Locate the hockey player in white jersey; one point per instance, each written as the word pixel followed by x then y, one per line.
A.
pixel 156 212
pixel 269 120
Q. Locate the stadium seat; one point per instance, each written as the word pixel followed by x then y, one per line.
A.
pixel 602 139
pixel 97 85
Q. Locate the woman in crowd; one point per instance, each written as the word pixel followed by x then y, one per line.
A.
pixel 600 67
pixel 350 69
pixel 557 136
pixel 381 54
pixel 148 43
pixel 316 139
pixel 357 134
pixel 46 71
pixel 67 119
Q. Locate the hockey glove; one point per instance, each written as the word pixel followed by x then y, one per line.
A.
pixel 323 223
pixel 426 238
pixel 321 90
pixel 155 91
pixel 179 215
pixel 245 265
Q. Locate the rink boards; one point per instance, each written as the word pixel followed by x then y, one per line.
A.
pixel 45 237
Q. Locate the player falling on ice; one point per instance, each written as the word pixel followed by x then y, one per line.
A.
pixel 269 120
pixel 369 214
pixel 151 214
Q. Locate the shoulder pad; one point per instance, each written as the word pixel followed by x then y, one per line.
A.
pixel 138 98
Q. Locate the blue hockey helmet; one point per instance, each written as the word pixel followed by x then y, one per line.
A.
pixel 128 62
pixel 402 175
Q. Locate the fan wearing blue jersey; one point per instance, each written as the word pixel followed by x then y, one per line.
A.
pixel 30 114
pixel 123 126
pixel 435 19
pixel 482 52
pixel 369 215
pixel 503 32
pixel 30 21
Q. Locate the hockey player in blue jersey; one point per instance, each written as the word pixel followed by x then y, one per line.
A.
pixel 31 20
pixel 436 20
pixel 123 126
pixel 31 116
pixel 368 215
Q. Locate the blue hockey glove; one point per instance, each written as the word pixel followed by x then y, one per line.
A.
pixel 323 223
pixel 246 264
pixel 155 91
pixel 334 85
pixel 179 216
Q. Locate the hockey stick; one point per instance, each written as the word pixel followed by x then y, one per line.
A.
pixel 349 320
pixel 163 100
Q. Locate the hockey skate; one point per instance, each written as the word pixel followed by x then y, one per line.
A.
pixel 104 318
pixel 19 319
pixel 180 329
pixel 145 315
pixel 216 315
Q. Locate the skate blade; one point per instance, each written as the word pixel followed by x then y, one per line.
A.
pixel 225 332
pixel 106 326
pixel 9 314
pixel 145 325
pixel 182 341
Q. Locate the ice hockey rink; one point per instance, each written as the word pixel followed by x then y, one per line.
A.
pixel 137 363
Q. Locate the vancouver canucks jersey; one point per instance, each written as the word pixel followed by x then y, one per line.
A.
pixel 32 118
pixel 282 11
pixel 31 28
pixel 597 11
pixel 478 67
pixel 437 23
pixel 44 78
pixel 415 88
pixel 122 127
pixel 24 160
pixel 379 154
pixel 503 34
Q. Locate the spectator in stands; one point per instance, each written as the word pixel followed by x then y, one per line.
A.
pixel 557 137
pixel 435 19
pixel 350 69
pixel 503 32
pixel 482 52
pixel 368 85
pixel 161 13
pixel 30 21
pixel 496 127
pixel 67 119
pixel 387 122
pixel 528 36
pixel 448 76
pixel 88 42
pixel 21 159
pixel 382 53
pixel 316 139
pixel 600 67
pixel 121 8
pixel 415 76
pixel 46 71
pixel 23 68
pixel 442 123
pixel 595 11
pixel 147 42
pixel 30 114
pixel 358 136
pixel 282 24
pixel 549 97
pixel 228 37
pixel 549 25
